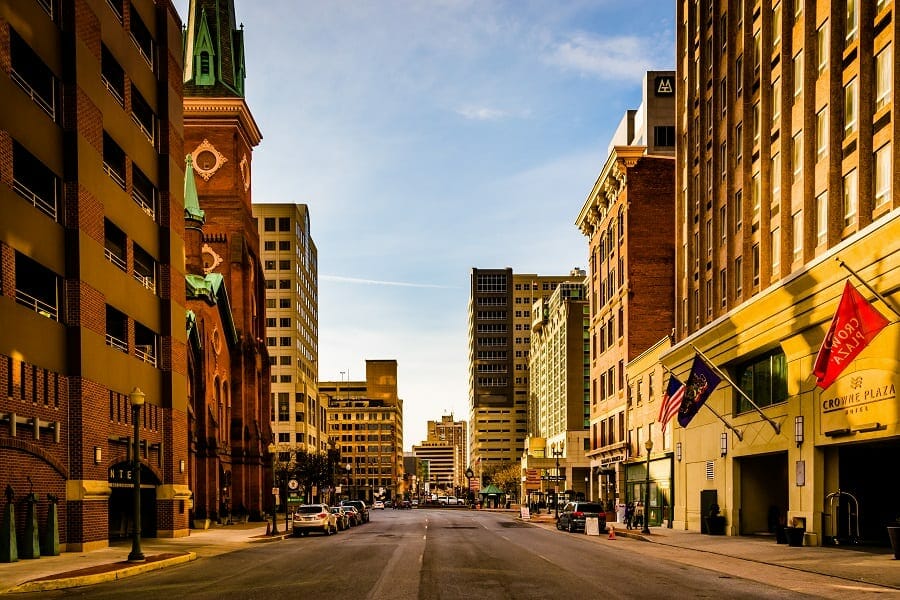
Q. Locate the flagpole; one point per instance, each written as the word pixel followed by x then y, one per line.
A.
pixel 867 286
pixel 737 432
pixel 725 376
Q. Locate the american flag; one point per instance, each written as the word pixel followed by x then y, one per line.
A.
pixel 671 400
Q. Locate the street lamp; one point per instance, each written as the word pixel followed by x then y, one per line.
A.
pixel 273 449
pixel 646 529
pixel 137 398
pixel 469 475
pixel 557 451
pixel 349 468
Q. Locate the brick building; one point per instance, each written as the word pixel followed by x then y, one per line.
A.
pixel 91 264
pixel 628 219
pixel 229 424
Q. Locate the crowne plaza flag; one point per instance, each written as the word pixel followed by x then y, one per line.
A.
pixel 855 324
pixel 697 389
pixel 671 400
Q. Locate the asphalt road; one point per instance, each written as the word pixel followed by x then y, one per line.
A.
pixel 432 555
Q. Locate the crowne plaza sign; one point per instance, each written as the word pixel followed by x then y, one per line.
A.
pixel 860 401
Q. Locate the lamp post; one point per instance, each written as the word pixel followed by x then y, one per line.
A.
pixel 469 475
pixel 557 451
pixel 349 468
pixel 646 529
pixel 273 450
pixel 137 398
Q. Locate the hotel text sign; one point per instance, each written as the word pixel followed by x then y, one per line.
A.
pixel 859 400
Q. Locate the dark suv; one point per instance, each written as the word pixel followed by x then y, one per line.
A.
pixel 360 506
pixel 572 517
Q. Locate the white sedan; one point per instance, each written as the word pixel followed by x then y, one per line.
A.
pixel 378 504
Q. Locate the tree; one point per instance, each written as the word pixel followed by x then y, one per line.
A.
pixel 506 476
pixel 312 470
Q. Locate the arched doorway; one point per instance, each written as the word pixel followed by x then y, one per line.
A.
pixel 121 501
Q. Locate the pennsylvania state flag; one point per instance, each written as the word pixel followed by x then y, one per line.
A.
pixel 698 387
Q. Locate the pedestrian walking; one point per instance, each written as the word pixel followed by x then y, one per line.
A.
pixel 629 514
pixel 639 514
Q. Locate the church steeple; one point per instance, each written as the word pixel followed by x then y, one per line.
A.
pixel 193 215
pixel 213 51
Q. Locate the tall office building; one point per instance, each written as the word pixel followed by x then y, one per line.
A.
pixel 628 219
pixel 499 339
pixel 452 433
pixel 785 177
pixel 92 264
pixel 443 465
pixel 290 265
pixel 365 423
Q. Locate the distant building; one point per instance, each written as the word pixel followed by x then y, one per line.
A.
pixel 290 265
pixel 559 394
pixel 499 338
pixel 365 422
pixel 453 433
pixel 442 467
pixel 629 221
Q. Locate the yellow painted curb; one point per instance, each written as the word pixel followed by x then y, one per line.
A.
pixel 130 571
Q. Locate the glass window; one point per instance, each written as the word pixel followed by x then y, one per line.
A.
pixel 776 252
pixel 883 175
pixel 797 71
pixel 776 101
pixel 738 276
pixel 851 107
pixel 822 218
pixel 883 78
pixel 797 231
pixel 776 25
pixel 797 155
pixel 764 379
pixel 822 48
pixel 852 24
pixel 776 179
pixel 755 195
pixel 849 191
pixel 821 133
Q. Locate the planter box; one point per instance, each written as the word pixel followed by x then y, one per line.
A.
pixel 794 535
pixel 201 523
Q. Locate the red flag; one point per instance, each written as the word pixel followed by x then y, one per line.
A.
pixel 855 324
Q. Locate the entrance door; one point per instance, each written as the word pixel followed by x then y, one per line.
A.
pixel 121 502
pixel 764 493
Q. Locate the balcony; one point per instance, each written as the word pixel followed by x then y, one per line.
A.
pixel 32 75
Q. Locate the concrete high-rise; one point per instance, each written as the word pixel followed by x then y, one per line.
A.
pixel 499 340
pixel 365 422
pixel 452 433
pixel 290 265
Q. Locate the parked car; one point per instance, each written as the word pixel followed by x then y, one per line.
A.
pixel 314 517
pixel 406 504
pixel 343 520
pixel 360 506
pixel 572 516
pixel 352 515
pixel 378 504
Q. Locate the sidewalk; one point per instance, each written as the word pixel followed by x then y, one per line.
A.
pixel 72 569
pixel 866 564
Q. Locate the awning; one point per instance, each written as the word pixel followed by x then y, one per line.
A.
pixel 489 490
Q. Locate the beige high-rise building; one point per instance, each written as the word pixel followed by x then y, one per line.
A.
pixel 442 467
pixel 499 344
pixel 785 175
pixel 290 264
pixel 452 433
pixel 559 398
pixel 365 423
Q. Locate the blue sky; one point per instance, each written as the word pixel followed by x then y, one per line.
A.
pixel 431 137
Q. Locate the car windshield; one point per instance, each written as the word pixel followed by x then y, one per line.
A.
pixel 308 510
pixel 336 510
pixel 589 508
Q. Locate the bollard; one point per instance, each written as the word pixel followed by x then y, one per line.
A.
pixel 9 551
pixel 50 540
pixel 31 547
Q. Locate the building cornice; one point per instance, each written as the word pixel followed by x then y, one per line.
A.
pixel 224 108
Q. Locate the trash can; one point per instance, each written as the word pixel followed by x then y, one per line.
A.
pixel 794 535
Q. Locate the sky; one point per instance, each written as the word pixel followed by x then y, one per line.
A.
pixel 430 137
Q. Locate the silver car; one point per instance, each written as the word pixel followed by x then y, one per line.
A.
pixel 314 517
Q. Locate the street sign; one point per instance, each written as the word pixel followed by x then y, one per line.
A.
pixel 553 477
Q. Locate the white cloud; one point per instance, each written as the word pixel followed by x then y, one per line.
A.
pixel 613 57
pixel 481 113
pixel 341 279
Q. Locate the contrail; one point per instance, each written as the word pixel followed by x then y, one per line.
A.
pixel 379 282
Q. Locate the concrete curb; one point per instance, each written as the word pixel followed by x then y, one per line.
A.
pixel 46 585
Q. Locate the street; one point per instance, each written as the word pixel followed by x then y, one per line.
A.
pixel 443 554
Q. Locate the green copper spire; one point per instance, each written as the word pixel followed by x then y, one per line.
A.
pixel 213 51
pixel 192 212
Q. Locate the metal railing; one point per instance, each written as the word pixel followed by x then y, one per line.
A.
pixel 116 343
pixel 37 305
pixel 115 259
pixel 114 174
pixel 146 353
pixel 48 107
pixel 46 207
pixel 147 281
pixel 112 90
pixel 148 205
